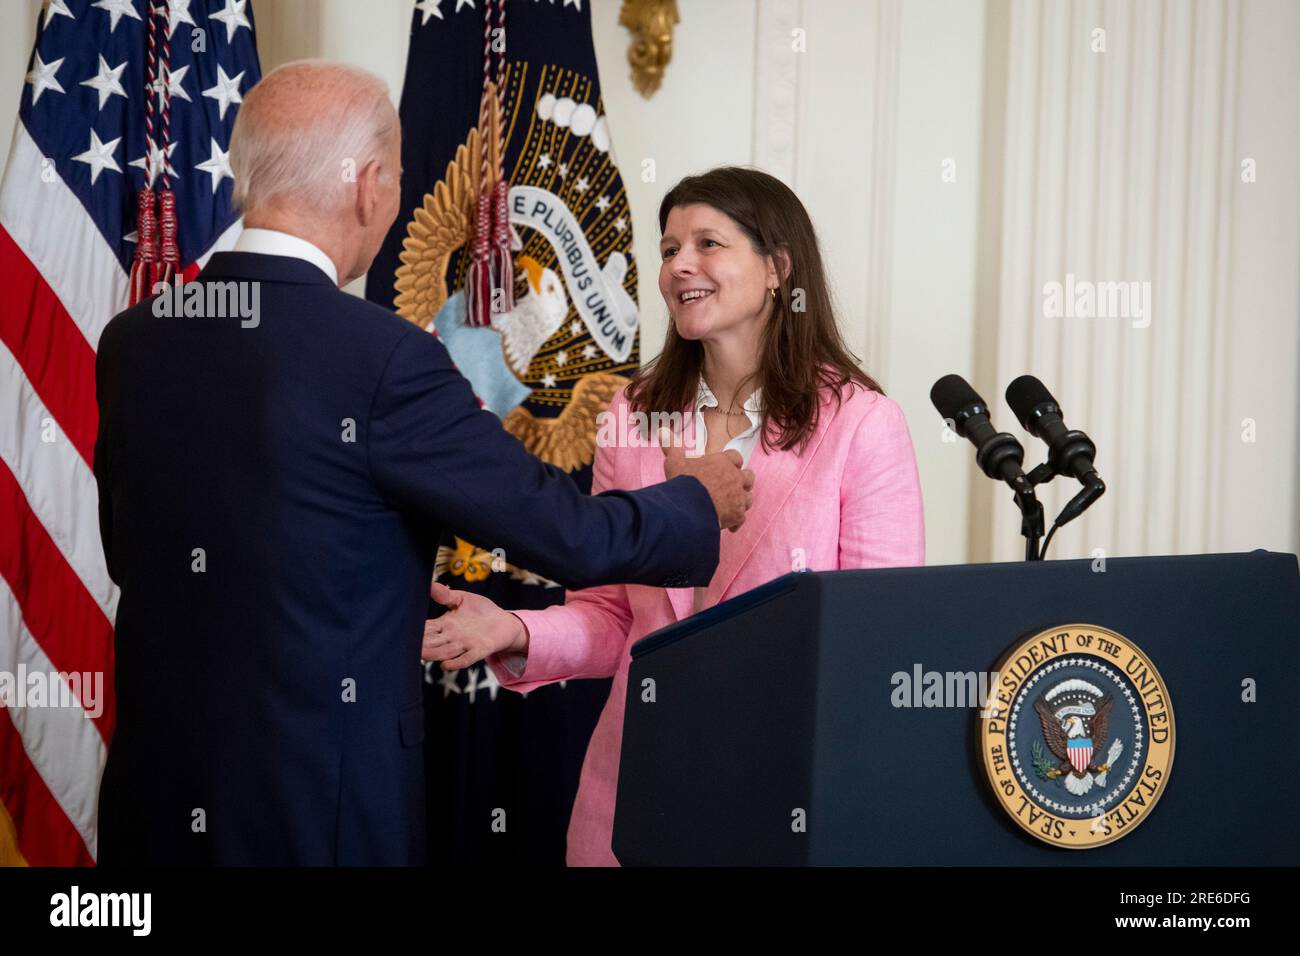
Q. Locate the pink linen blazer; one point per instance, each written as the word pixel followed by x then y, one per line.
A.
pixel 851 500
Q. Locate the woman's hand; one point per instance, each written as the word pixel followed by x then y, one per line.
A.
pixel 472 628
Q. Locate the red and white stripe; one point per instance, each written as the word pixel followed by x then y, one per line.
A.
pixel 1080 757
pixel 62 284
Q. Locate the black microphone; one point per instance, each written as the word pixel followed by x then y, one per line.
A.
pixel 1069 452
pixel 998 454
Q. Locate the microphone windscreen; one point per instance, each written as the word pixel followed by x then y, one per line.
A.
pixel 1024 395
pixel 951 394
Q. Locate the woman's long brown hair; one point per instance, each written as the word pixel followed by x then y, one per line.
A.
pixel 802 352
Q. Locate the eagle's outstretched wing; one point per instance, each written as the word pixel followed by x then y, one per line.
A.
pixel 1100 724
pixel 1057 742
pixel 437 229
pixel 443 223
pixel 568 440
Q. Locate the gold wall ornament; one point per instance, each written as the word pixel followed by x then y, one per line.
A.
pixel 651 23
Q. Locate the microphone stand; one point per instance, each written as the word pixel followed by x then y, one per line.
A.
pixel 1093 488
pixel 1031 516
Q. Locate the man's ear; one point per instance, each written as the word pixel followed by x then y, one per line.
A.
pixel 368 192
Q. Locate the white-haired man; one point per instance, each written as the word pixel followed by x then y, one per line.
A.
pixel 271 496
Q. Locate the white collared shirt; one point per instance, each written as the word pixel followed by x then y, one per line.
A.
pixel 746 441
pixel 272 242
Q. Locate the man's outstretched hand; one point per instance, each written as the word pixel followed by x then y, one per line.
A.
pixel 728 484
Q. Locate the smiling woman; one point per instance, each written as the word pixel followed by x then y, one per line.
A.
pixel 747 295
pixel 755 366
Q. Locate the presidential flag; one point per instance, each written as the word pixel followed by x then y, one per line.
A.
pixel 515 247
pixel 123 98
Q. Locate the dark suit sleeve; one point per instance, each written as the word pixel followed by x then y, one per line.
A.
pixel 100 464
pixel 435 453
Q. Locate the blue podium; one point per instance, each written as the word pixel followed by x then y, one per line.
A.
pixel 803 723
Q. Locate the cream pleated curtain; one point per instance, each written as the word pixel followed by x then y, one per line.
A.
pixel 1135 150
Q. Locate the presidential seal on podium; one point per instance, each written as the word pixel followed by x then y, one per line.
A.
pixel 1077 736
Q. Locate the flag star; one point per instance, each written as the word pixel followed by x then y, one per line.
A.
pixel 548 381
pixel 589 352
pixel 448 684
pixel 429 8
pixel 56 8
pixel 575 327
pixel 470 4
pixel 576 3
pixel 561 357
pixel 471 684
pixel 581 184
pixel 233 17
pixel 115 9
pixel 490 682
pixel 152 163
pixel 107 82
pixel 620 223
pixel 603 203
pixel 174 88
pixel 99 156
pixel 178 12
pixel 563 170
pixel 217 165
pixel 543 160
pixel 41 76
pixel 226 91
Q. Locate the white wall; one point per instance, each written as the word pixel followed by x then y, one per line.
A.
pixel 1258 490
pixel 700 118
pixel 19 18
pixel 930 323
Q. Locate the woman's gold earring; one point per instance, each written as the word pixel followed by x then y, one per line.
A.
pixel 774 293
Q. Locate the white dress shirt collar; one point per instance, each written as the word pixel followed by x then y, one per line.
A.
pixel 704 398
pixel 746 440
pixel 272 242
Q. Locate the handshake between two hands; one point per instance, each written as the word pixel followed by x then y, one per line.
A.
pixel 474 628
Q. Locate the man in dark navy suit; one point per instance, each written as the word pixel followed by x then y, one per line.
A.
pixel 273 480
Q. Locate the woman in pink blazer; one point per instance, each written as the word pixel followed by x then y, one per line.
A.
pixel 753 364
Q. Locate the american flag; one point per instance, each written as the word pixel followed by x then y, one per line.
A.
pixel 68 230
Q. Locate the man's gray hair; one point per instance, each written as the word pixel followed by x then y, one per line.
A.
pixel 305 132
